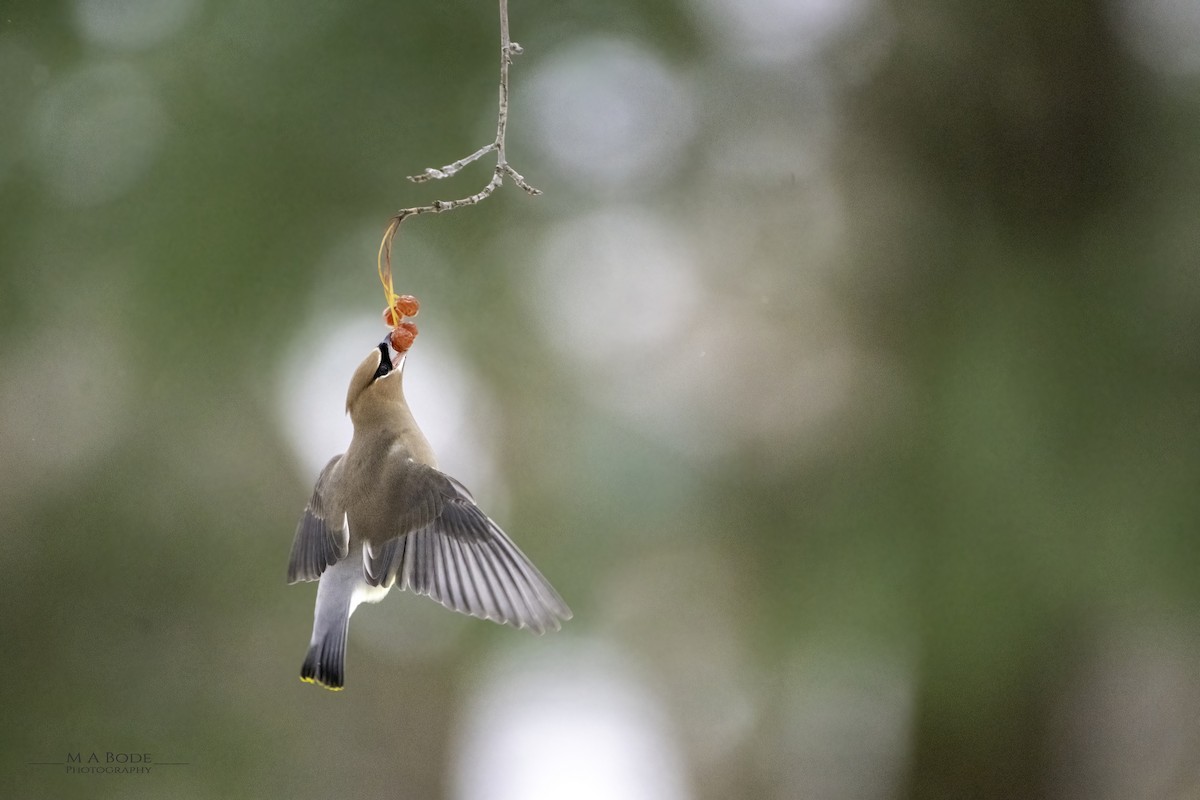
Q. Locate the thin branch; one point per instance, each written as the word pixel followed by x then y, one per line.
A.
pixel 508 49
pixel 434 174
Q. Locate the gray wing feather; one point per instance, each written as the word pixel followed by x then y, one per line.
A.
pixel 464 561
pixel 321 537
pixel 376 562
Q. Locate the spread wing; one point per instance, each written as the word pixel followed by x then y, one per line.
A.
pixel 321 537
pixel 463 560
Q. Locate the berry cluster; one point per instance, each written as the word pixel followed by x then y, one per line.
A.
pixel 403 332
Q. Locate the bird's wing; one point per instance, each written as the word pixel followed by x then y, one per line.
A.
pixel 321 536
pixel 467 563
pixel 415 495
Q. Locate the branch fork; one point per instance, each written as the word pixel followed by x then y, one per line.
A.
pixel 508 49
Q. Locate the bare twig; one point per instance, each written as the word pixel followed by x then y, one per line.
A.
pixel 508 49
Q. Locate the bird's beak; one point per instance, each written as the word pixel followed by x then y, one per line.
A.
pixel 389 356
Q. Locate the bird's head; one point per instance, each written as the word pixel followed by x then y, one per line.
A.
pixel 377 382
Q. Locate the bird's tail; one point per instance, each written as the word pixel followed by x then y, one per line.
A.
pixel 325 663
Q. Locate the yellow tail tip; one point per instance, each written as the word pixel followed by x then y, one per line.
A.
pixel 316 682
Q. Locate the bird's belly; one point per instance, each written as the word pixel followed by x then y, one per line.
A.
pixel 366 593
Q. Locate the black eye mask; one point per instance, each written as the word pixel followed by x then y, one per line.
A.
pixel 385 362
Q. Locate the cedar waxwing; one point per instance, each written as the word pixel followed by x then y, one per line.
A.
pixel 382 514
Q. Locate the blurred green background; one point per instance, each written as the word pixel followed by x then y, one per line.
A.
pixel 845 381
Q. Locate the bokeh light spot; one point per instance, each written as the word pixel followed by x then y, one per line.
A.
pixel 769 31
pixel 609 112
pixel 132 24
pixel 613 284
pixel 1163 34
pixel 573 722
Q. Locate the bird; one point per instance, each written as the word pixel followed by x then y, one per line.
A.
pixel 382 514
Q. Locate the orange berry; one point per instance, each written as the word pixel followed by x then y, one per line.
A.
pixel 407 305
pixel 404 306
pixel 401 339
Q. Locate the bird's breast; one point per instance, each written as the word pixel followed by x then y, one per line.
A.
pixel 380 489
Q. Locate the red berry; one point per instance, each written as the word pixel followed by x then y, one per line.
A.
pixel 401 339
pixel 404 306
pixel 407 305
